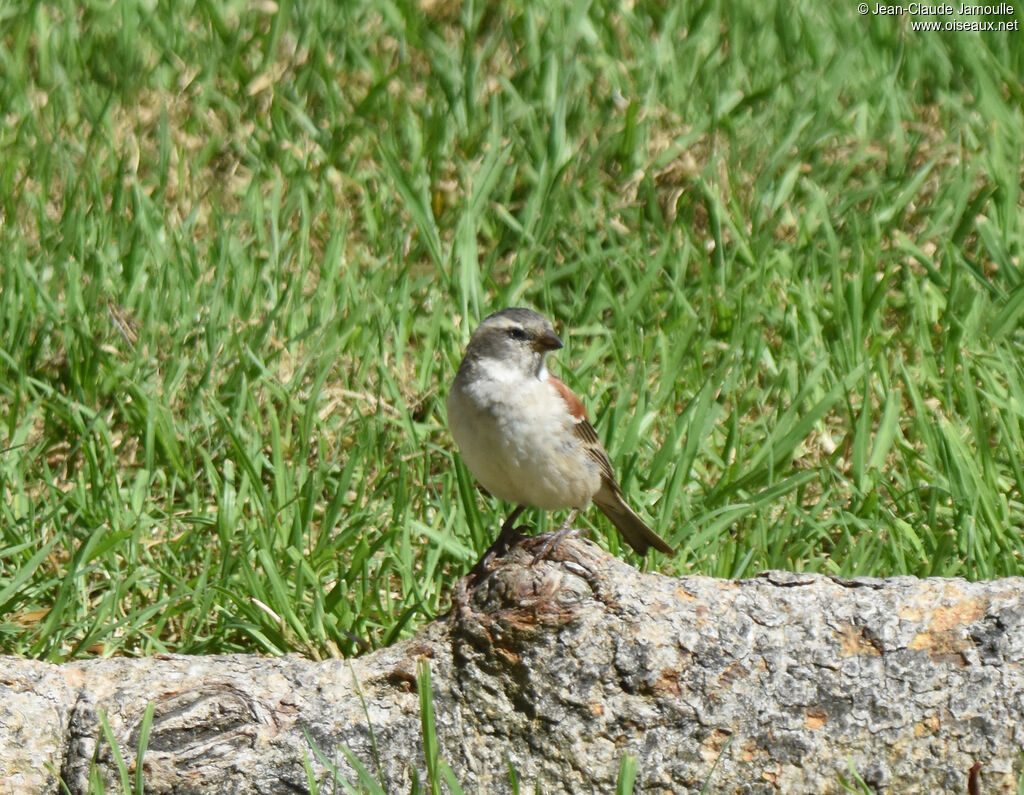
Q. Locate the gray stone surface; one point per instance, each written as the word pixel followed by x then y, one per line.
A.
pixel 775 684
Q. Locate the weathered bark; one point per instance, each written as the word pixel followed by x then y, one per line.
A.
pixel 775 684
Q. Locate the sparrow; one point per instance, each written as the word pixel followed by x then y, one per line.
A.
pixel 526 437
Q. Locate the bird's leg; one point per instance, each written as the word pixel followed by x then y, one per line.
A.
pixel 558 536
pixel 499 548
pixel 508 531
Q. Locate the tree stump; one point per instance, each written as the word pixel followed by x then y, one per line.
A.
pixel 781 683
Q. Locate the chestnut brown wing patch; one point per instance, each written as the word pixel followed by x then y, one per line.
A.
pixel 573 403
pixel 585 432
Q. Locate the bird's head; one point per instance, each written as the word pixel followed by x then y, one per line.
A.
pixel 517 337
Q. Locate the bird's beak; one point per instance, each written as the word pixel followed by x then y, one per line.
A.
pixel 548 341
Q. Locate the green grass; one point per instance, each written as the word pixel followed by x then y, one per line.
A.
pixel 242 246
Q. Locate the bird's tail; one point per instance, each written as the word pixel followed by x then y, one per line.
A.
pixel 634 530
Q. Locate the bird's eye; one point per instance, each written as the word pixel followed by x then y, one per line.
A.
pixel 517 333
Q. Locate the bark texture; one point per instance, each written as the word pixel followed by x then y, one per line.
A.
pixel 774 684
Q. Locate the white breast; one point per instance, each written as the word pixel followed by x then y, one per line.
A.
pixel 516 436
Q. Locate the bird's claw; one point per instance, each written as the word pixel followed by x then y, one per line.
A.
pixel 506 539
pixel 552 541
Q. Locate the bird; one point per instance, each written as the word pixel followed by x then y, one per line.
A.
pixel 526 437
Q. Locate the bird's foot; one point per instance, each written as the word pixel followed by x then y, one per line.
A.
pixel 553 540
pixel 556 538
pixel 510 534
